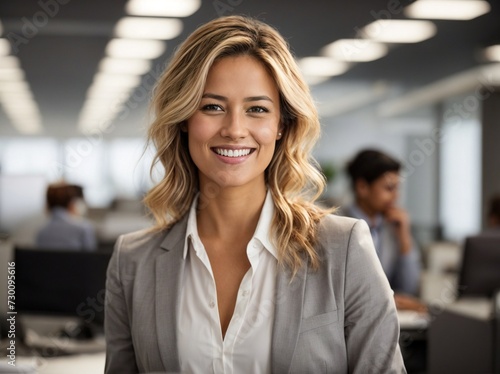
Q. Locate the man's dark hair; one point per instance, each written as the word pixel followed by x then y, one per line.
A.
pixel 370 165
pixel 61 195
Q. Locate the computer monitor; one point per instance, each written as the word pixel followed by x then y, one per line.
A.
pixel 61 282
pixel 480 269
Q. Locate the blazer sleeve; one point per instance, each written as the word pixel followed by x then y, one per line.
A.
pixel 371 321
pixel 120 354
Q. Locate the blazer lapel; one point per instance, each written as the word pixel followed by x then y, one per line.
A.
pixel 169 269
pixel 287 318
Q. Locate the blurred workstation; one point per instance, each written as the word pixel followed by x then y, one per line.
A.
pixel 418 81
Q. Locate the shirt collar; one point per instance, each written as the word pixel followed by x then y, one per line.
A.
pixel 262 232
pixel 60 213
pixel 373 223
pixel 192 227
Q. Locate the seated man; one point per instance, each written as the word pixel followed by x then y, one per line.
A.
pixel 66 228
pixel 375 183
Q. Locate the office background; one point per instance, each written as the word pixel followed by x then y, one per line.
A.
pixel 56 123
pixel 71 109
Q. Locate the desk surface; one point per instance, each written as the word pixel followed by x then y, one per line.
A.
pixel 79 364
pixel 410 320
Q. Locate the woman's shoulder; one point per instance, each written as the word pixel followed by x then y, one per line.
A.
pixel 148 241
pixel 338 224
pixel 336 231
pixel 139 238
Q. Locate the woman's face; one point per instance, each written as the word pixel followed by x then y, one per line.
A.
pixel 233 133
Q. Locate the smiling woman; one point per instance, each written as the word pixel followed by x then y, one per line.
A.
pixel 243 272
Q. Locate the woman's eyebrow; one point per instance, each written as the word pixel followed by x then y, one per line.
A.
pixel 257 98
pixel 247 99
pixel 214 96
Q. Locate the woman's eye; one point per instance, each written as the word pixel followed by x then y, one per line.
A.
pixel 211 107
pixel 258 109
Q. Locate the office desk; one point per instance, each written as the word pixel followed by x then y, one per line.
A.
pixel 47 353
pixel 77 364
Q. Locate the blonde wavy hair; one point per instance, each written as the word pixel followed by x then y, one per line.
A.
pixel 292 176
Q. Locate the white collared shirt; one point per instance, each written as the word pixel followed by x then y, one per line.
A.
pixel 246 347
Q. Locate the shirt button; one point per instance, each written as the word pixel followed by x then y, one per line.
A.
pixel 245 293
pixel 211 304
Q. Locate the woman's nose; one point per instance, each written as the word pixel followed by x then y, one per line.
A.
pixel 234 126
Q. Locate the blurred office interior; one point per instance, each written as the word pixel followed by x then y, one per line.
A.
pixel 419 80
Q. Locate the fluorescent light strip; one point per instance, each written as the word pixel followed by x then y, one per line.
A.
pixel 315 79
pixel 24 117
pixel 16 97
pixel 130 48
pixel 103 91
pixel 14 86
pixel 447 9
pixel 9 62
pixel 11 75
pixel 322 66
pixel 162 8
pixel 148 28
pixel 492 53
pixel 124 66
pixel 399 31
pixel 355 50
pixel 119 80
pixel 4 47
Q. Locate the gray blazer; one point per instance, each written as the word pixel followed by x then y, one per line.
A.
pixel 338 319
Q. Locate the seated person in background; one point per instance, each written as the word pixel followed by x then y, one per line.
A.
pixel 67 229
pixel 375 183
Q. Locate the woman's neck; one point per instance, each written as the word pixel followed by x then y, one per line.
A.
pixel 232 214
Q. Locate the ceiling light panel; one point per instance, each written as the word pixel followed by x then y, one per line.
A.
pixel 148 28
pixel 355 50
pixel 399 31
pixel 447 9
pixel 162 8
pixel 11 74
pixel 9 62
pixel 103 79
pixel 124 66
pixel 4 47
pixel 322 66
pixel 141 49
pixel 14 86
pixel 492 53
